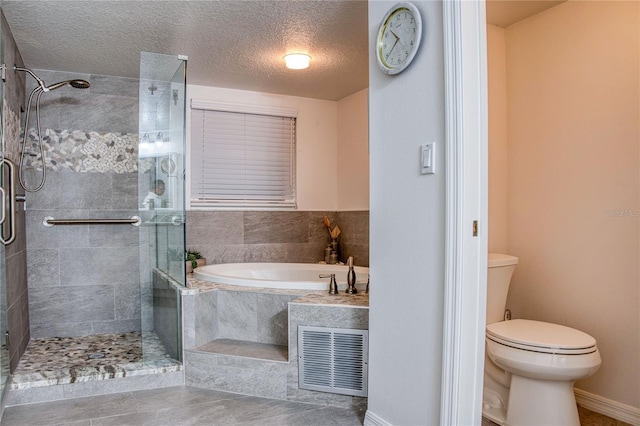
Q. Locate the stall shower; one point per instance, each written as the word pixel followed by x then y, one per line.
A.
pixel 102 301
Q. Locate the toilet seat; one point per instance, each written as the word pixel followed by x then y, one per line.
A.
pixel 542 337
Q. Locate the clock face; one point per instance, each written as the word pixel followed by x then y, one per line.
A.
pixel 398 38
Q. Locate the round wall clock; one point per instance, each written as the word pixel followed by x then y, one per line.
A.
pixel 398 38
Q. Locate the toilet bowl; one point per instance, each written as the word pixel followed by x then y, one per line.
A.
pixel 544 361
pixel 530 366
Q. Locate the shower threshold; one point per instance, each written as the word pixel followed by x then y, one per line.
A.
pixel 64 360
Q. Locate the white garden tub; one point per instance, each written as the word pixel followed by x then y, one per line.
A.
pixel 292 276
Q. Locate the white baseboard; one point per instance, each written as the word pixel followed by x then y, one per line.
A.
pixel 610 408
pixel 590 401
pixel 371 419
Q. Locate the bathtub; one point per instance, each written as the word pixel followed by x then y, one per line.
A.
pixel 291 276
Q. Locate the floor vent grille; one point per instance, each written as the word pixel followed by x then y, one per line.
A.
pixel 333 360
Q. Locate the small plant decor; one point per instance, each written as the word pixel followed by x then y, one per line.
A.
pixel 192 256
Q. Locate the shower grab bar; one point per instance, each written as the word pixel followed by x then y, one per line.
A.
pixel 12 204
pixel 49 221
pixel 3 211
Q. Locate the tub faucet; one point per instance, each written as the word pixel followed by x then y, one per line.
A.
pixel 333 287
pixel 351 277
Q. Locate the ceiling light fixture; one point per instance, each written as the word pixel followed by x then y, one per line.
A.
pixel 297 61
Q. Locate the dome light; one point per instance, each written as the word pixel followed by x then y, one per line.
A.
pixel 297 61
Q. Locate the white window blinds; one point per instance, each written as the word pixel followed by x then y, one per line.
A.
pixel 242 159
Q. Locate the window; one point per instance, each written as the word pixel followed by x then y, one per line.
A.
pixel 242 156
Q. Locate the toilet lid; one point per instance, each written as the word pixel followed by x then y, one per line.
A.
pixel 541 337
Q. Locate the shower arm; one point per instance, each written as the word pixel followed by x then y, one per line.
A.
pixel 38 79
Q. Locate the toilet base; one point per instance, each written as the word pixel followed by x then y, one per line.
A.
pixel 495 392
pixel 541 402
pixel 495 414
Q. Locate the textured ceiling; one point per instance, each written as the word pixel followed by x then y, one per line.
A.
pixel 233 44
pixel 236 44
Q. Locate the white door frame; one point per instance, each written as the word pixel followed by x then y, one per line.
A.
pixel 466 149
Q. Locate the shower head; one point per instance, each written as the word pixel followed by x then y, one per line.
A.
pixel 77 84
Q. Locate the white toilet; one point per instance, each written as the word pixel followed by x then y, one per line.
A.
pixel 530 366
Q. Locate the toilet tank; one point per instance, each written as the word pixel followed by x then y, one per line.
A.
pixel 499 270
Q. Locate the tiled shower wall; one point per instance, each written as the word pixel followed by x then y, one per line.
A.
pixel 84 279
pixel 262 236
pixel 15 260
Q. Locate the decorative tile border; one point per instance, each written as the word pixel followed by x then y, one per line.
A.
pixel 81 151
pixel 74 150
pixel 11 133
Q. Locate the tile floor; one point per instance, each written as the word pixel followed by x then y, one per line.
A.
pixel 587 418
pixel 57 361
pixel 178 406
pixel 183 406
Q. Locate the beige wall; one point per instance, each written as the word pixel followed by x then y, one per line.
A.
pixel 573 190
pixel 353 152
pixel 332 146
pixel 317 142
pixel 497 80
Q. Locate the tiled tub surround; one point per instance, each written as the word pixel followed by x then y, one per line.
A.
pixel 281 236
pixel 244 340
pixel 166 312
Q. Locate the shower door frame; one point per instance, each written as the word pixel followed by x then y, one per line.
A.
pixel 4 329
pixel 163 120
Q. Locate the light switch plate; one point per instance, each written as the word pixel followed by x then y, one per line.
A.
pixel 428 158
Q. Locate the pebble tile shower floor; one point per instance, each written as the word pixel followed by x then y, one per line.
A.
pixel 62 360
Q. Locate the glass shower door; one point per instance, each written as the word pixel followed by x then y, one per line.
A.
pixel 4 329
pixel 161 189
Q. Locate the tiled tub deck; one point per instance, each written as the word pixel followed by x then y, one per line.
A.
pixel 244 340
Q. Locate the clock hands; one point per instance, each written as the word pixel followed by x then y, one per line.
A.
pixel 394 44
